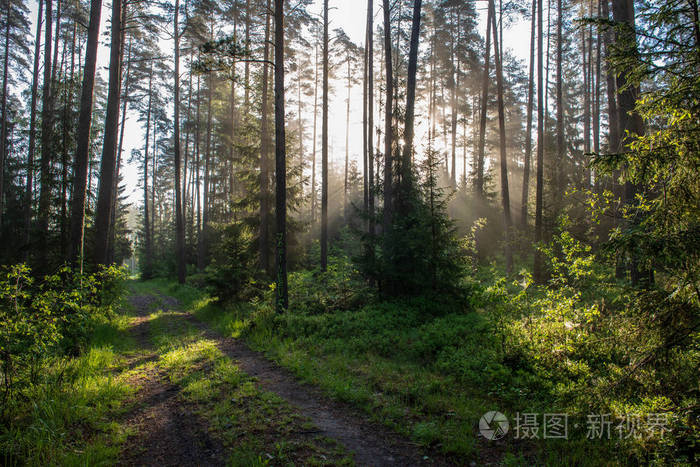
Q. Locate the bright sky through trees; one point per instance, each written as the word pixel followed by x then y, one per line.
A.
pixel 346 14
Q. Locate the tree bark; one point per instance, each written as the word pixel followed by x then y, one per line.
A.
pixel 586 54
pixel 29 186
pixel 313 150
pixel 280 161
pixel 197 165
pixel 109 149
pixel 630 122
pixel 388 127
pixel 186 160
pixel 538 268
pixel 324 145
pixel 454 77
pixel 613 121
pixel 3 112
pixel 370 114
pixel 347 142
pixel 528 135
pixel 365 132
pixel 179 221
pixel 505 193
pixel 595 86
pixel 46 138
pixel 479 185
pixel 561 150
pixel 67 134
pixel 120 145
pixel 146 270
pixel 246 66
pixel 264 155
pixel 411 93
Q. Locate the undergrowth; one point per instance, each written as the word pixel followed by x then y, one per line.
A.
pixel 430 368
pixel 62 406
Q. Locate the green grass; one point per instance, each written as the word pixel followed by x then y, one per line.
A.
pixel 332 352
pixel 431 376
pixel 256 426
pixel 75 417
pixel 68 419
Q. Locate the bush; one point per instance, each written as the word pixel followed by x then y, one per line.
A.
pixel 49 317
pixel 231 274
pixel 339 288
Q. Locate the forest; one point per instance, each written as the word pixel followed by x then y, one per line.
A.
pixel 335 232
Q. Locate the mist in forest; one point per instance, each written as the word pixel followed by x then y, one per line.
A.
pixel 446 214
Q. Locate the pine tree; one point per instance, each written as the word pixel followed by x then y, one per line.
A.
pixel 282 301
pixel 324 144
pixel 109 149
pixel 81 160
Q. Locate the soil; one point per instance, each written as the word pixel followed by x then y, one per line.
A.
pixel 167 434
pixel 170 435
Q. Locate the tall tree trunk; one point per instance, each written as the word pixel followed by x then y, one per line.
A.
pixel 46 138
pixel 301 129
pixel 586 54
pixel 613 120
pixel 630 122
pixel 154 179
pixel 56 37
pixel 120 145
pixel 538 268
pixel 365 176
pixel 179 221
pixel 528 135
pixel 370 114
pixel 246 66
pixel 313 150
pixel 561 150
pixel 146 270
pixel 505 193
pixel 203 243
pixel 595 84
pixel 324 145
pixel 264 155
pixel 347 143
pixel 29 186
pixel 3 111
pixel 454 85
pixel 547 68
pixel 479 185
pixel 67 134
pixel 613 111
pixel 431 91
pixel 186 162
pixel 280 161
pixel 411 92
pixel 109 149
pixel 388 127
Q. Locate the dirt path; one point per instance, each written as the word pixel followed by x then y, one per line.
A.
pixel 372 443
pixel 167 434
pixel 171 436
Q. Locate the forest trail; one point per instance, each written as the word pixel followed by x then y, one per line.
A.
pixel 168 434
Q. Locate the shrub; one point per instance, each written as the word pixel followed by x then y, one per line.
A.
pixel 231 274
pixel 48 317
